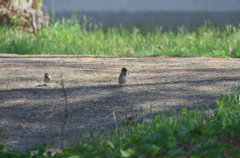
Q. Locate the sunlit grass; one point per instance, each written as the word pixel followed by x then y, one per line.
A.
pixel 68 37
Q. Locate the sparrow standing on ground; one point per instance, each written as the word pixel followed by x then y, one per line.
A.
pixel 47 78
pixel 229 49
pixel 123 76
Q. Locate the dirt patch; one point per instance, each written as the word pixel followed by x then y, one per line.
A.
pixel 30 112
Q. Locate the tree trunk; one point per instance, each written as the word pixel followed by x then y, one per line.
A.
pixel 20 3
pixel 24 14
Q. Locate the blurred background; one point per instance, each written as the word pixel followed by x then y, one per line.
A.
pixel 121 27
pixel 149 14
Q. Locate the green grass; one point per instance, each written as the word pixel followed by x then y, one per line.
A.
pixel 191 134
pixel 66 36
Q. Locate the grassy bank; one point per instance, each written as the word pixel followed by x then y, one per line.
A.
pixel 68 37
pixel 192 134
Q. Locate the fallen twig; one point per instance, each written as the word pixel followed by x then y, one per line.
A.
pixel 65 111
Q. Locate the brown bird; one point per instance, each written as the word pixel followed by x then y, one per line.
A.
pixel 229 49
pixel 47 78
pixel 161 48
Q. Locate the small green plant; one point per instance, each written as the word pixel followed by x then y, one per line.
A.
pixel 15 20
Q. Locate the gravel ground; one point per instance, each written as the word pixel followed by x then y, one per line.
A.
pixel 31 112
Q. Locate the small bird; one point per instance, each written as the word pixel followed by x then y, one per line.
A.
pixel 229 49
pixel 123 78
pixel 47 78
pixel 161 48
